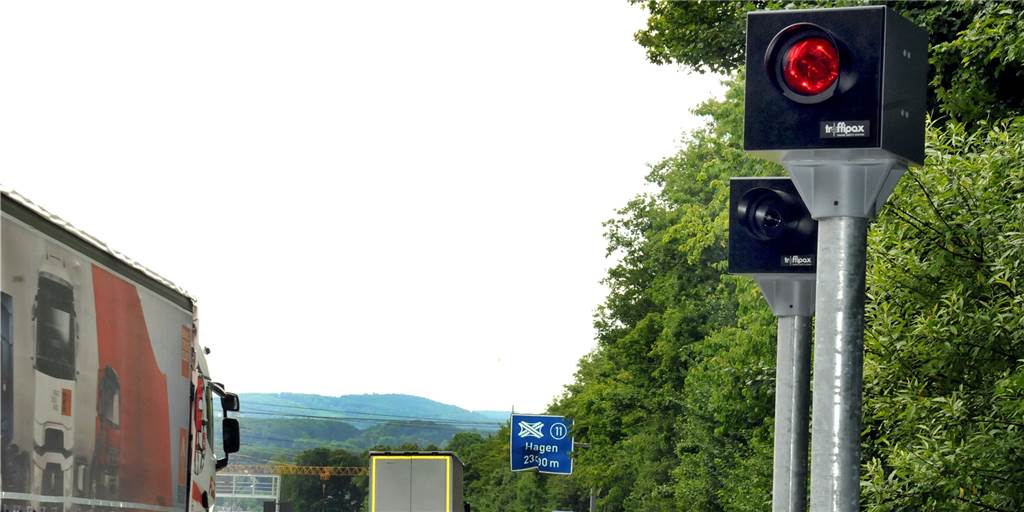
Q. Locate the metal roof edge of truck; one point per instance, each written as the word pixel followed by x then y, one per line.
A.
pixel 23 209
pixel 406 453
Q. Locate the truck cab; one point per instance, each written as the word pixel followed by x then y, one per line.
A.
pixel 55 375
pixel 211 405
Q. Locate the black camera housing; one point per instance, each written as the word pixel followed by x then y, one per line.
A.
pixel 878 101
pixel 770 229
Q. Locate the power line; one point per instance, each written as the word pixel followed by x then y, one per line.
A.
pixel 413 421
pixel 249 435
pixel 319 442
pixel 374 420
pixel 400 423
pixel 380 415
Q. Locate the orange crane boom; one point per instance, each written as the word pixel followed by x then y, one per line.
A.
pixel 324 472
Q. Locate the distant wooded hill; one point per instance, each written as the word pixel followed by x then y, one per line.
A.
pixel 276 426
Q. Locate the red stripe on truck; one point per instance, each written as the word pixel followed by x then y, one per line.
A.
pixel 124 345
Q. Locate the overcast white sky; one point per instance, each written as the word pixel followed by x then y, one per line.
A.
pixel 364 197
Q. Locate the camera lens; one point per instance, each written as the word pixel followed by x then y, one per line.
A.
pixel 768 220
pixel 768 214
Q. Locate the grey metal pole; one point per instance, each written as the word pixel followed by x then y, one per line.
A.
pixel 593 501
pixel 277 493
pixel 838 364
pixel 792 393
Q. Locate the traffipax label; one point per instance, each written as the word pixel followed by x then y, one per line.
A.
pixel 797 260
pixel 844 129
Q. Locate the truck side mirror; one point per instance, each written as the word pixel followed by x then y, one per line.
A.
pixel 230 402
pixel 229 427
pixel 232 437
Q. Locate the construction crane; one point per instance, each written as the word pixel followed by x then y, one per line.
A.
pixel 324 472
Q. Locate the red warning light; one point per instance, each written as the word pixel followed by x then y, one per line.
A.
pixel 811 66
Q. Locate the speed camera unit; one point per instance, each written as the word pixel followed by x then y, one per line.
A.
pixel 770 230
pixel 835 79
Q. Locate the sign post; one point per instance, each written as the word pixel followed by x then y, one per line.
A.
pixel 540 442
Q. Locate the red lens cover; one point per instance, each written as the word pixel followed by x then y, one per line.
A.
pixel 811 66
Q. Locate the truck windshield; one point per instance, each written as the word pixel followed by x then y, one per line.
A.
pixel 55 336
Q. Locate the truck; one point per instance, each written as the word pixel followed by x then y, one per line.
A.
pixel 106 398
pixel 404 481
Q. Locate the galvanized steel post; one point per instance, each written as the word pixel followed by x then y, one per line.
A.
pixel 792 383
pixel 843 194
pixel 838 364
pixel 791 298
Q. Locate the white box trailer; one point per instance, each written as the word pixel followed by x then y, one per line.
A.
pixel 106 401
pixel 415 482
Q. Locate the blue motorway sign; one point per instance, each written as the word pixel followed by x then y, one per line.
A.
pixel 541 442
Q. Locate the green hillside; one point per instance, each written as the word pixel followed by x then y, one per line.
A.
pixel 277 426
pixel 365 410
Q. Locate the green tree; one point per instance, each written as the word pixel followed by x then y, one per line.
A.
pixel 676 400
pixel 491 486
pixel 976 47
pixel 339 493
pixel 944 402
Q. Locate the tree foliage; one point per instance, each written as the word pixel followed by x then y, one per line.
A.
pixel 976 48
pixel 307 492
pixel 491 486
pixel 945 352
pixel 675 403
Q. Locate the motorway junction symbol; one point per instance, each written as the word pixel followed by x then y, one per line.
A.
pixel 543 443
pixel 527 429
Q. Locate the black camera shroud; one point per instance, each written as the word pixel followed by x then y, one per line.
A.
pixel 774 215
